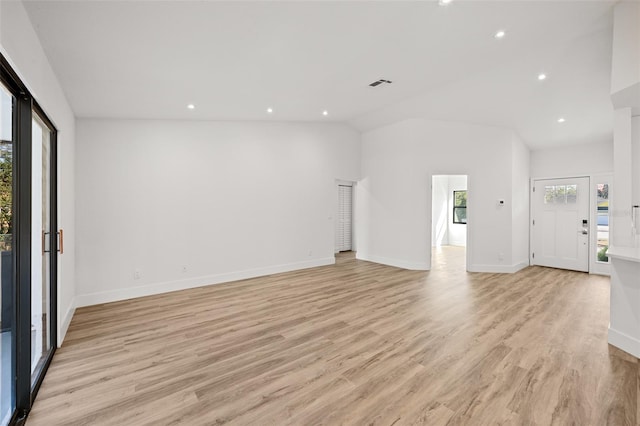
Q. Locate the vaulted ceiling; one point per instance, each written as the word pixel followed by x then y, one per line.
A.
pixel 234 60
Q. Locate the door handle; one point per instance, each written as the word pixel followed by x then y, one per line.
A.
pixel 44 244
pixel 60 241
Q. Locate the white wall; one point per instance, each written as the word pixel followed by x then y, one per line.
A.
pixel 626 189
pixel 20 45
pixel 457 231
pixel 228 200
pixel 572 161
pixel 625 67
pixel 635 162
pixel 439 211
pixel 397 164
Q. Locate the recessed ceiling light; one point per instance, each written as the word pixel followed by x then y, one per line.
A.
pixel 444 2
pixel 191 106
pixel 561 120
pixel 542 76
pixel 325 112
pixel 500 34
pixel 269 110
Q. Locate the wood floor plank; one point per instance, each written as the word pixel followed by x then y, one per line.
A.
pixel 352 343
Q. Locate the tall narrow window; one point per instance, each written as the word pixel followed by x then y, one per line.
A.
pixel 460 207
pixel 602 221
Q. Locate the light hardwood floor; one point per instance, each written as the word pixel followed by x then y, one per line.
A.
pixel 353 343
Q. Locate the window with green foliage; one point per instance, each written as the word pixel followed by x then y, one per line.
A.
pixel 460 207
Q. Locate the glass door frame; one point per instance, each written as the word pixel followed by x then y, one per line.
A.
pixel 52 250
pixel 25 108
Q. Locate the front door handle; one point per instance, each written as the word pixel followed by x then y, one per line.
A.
pixel 60 241
pixel 44 242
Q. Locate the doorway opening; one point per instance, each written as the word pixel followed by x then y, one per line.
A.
pixel 449 221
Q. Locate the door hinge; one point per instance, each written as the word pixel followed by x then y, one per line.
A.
pixel 534 222
pixel 534 189
pixel 533 255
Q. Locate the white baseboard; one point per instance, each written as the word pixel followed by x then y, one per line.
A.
pixel 168 286
pixel 66 321
pixel 424 266
pixel 398 263
pixel 625 342
pixel 499 269
pixel 520 266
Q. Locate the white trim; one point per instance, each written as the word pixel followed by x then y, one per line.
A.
pixel 168 286
pixel 520 266
pixel 398 263
pixel 423 266
pixel 572 176
pixel 66 321
pixel 624 342
pixel 499 269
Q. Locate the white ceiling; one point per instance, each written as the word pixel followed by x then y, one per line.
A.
pixel 149 59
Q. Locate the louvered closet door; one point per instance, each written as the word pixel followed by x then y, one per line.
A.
pixel 345 194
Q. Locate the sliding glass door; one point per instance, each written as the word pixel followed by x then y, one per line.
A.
pixel 29 246
pixel 41 250
pixel 7 281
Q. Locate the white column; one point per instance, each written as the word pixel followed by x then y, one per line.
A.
pixel 624 328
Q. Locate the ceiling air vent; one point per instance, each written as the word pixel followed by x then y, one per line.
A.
pixel 379 82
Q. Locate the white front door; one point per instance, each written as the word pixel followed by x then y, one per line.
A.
pixel 560 223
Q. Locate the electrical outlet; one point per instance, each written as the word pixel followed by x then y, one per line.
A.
pixel 184 269
pixel 501 257
pixel 310 252
pixel 137 274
